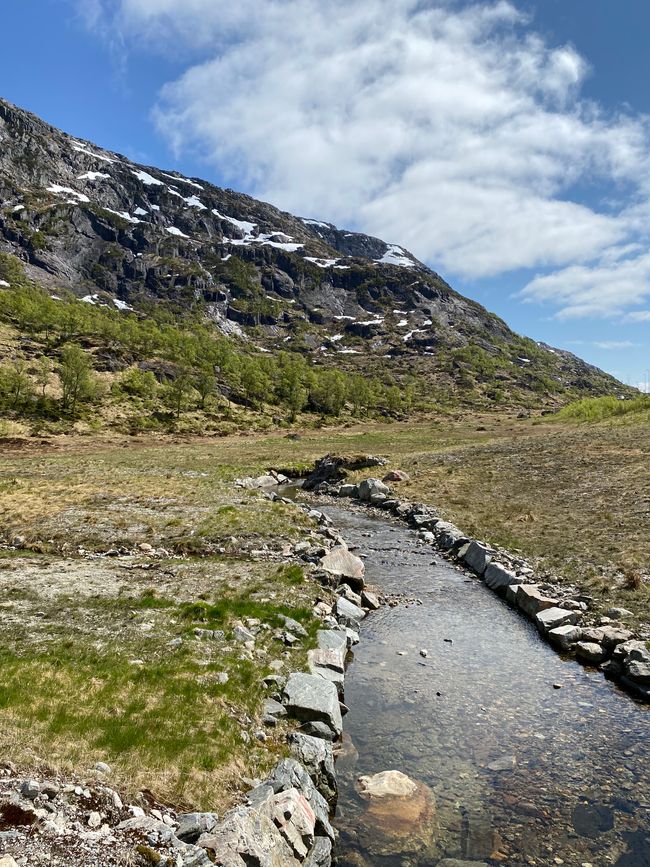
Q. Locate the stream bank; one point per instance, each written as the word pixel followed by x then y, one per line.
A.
pixel 532 758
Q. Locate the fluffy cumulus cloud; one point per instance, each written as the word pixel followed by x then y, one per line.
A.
pixel 449 127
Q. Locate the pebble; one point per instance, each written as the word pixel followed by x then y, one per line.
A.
pixel 424 653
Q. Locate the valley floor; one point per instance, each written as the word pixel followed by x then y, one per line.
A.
pixel 122 550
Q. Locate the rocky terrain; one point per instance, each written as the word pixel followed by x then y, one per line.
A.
pixel 128 236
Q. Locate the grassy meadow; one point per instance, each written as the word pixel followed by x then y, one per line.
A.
pixel 99 656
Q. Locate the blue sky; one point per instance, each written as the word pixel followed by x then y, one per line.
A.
pixel 505 142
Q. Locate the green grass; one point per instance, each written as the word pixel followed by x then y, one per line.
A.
pixel 602 408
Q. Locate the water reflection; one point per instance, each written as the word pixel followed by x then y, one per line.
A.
pixel 524 773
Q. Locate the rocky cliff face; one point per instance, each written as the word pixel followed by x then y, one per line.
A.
pixel 118 233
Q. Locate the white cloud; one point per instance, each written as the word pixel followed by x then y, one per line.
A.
pixel 451 128
pixel 614 344
pixel 607 288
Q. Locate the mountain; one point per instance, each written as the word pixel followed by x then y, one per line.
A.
pixel 129 236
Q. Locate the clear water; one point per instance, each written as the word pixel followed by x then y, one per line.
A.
pixel 574 783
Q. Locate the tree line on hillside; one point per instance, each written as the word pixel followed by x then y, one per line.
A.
pixel 200 369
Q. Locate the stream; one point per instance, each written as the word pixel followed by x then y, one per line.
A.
pixel 522 772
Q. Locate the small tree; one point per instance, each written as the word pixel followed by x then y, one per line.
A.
pixel 177 393
pixel 205 382
pixel 16 385
pixel 139 383
pixel 43 374
pixel 77 382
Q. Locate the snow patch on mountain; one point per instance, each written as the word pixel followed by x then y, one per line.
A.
pixel 123 214
pixel 147 179
pixel 395 255
pixel 56 188
pixel 82 150
pixel 92 176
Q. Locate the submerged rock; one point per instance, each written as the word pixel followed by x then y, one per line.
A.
pixel 400 818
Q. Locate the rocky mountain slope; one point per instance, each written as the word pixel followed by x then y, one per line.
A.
pixel 124 235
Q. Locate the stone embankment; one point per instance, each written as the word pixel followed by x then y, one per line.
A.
pixel 562 614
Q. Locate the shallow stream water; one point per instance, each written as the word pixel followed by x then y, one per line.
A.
pixel 523 773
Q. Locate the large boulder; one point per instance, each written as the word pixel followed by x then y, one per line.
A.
pixel 296 821
pixel 290 774
pixel 345 565
pixel 400 817
pixel 368 488
pixel 613 636
pixel 310 698
pixel 321 853
pixel 477 557
pixel 257 483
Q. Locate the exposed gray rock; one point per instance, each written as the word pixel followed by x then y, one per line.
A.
pixel 290 774
pixel 478 557
pixel 551 618
pixel 317 756
pixel 448 535
pixel 295 820
pixel 30 790
pixel 241 634
pixel 531 601
pixel 332 639
pixel 370 600
pixel 345 565
pixel 310 698
pixel 348 613
pixel 248 835
pixel 349 491
pixel 589 651
pixel 637 664
pixel 318 730
pixel 612 636
pixel 369 487
pixel 321 853
pixel 334 659
pixel 396 476
pixel 274 708
pixel 618 613
pixel 192 825
pixel 256 483
pixel 498 578
pixel 293 626
pixel 565 636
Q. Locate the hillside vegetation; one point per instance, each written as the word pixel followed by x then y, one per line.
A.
pixel 603 408
pixel 147 372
